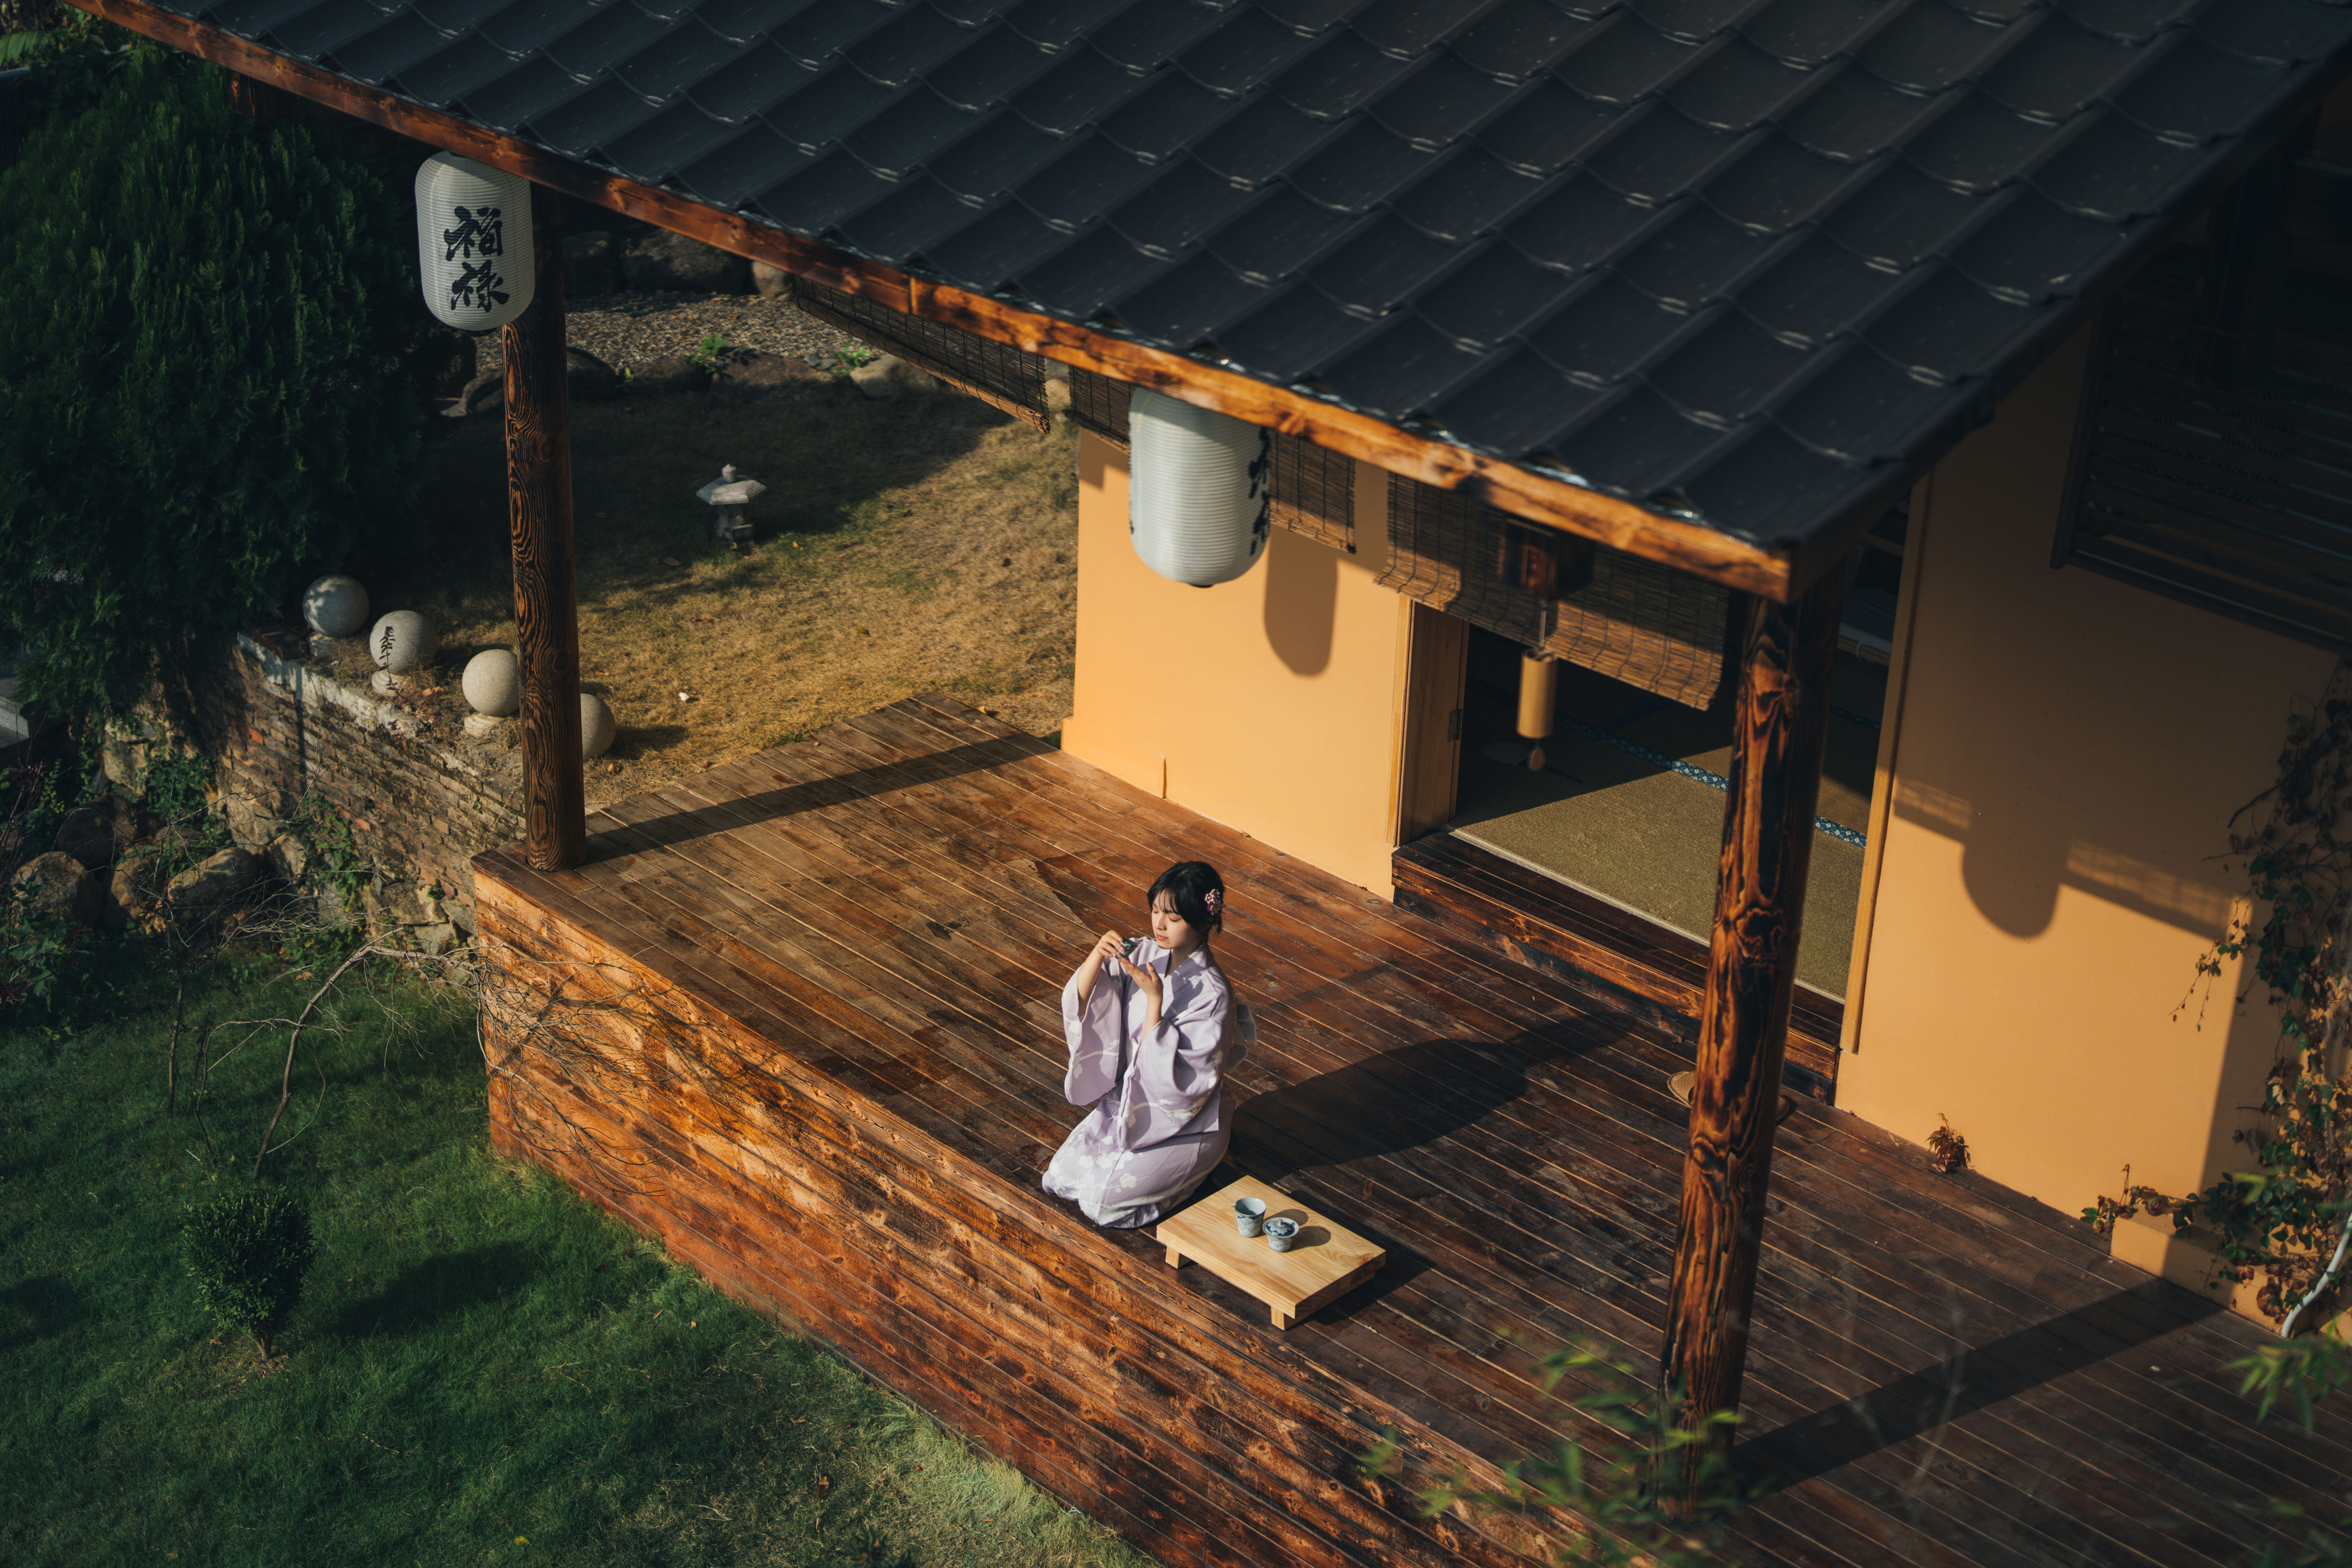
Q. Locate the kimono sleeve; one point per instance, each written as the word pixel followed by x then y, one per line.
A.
pixel 1096 1030
pixel 1179 1061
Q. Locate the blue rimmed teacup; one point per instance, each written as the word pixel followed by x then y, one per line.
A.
pixel 1249 1213
pixel 1281 1233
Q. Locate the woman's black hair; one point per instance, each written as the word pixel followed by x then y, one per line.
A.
pixel 1189 883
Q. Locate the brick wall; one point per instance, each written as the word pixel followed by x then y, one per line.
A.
pixel 421 803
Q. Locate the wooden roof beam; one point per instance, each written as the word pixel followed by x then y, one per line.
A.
pixel 1775 573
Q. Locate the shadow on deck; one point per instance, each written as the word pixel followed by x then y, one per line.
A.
pixel 798 1017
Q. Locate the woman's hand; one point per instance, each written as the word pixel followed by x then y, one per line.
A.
pixel 1148 981
pixel 1106 948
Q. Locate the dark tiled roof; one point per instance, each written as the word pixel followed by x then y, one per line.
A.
pixel 1737 259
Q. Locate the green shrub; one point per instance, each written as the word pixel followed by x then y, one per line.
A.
pixel 200 320
pixel 173 787
pixel 248 1251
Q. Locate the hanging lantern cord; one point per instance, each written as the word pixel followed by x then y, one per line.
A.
pixel 1538 690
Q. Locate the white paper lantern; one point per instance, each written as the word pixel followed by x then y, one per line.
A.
pixel 1198 489
pixel 473 242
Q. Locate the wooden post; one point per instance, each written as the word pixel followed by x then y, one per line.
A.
pixel 1759 898
pixel 538 514
pixel 255 99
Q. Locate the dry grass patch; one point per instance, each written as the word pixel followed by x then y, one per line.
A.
pixel 921 546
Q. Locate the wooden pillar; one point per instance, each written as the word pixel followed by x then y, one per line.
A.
pixel 1779 721
pixel 255 99
pixel 538 514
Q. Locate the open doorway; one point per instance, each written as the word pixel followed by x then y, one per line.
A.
pixel 1628 806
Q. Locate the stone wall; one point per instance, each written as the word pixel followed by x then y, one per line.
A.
pixel 420 804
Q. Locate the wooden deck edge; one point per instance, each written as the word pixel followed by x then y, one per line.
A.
pixel 876 1247
pixel 1657 979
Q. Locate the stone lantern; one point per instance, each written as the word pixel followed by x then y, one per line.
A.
pixel 732 497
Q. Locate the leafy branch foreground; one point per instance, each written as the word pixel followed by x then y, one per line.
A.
pixel 1637 1488
pixel 479 1367
pixel 2284 1221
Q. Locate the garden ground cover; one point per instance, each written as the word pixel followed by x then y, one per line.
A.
pixel 483 1369
pixel 923 545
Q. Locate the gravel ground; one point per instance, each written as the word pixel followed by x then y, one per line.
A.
pixel 632 330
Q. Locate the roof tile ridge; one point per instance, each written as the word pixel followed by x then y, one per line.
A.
pixel 2069 130
pixel 686 95
pixel 1633 8
pixel 1788 239
pixel 1344 24
pixel 1661 213
pixel 1372 114
pixel 1299 270
pixel 2272 62
pixel 1694 322
pixel 1077 41
pixel 1739 144
pixel 2030 180
pixel 1702 52
pixel 2152 52
pixel 1887 19
pixel 2009 295
pixel 1969 412
pixel 838 54
pixel 1493 228
pixel 2178 20
pixel 1996 201
pixel 1625 112
pixel 1669 487
pixel 2020 34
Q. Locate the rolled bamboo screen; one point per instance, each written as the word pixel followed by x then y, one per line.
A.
pixel 1643 624
pixel 997 374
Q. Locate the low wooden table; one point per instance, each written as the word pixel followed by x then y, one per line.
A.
pixel 1323 1264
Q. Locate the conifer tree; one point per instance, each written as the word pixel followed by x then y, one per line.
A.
pixel 201 324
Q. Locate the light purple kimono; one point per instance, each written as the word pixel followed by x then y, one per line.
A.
pixel 1159 1122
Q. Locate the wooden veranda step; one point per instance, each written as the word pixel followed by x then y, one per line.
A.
pixel 1608 953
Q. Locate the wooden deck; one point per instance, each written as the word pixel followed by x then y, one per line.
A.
pixel 798 1018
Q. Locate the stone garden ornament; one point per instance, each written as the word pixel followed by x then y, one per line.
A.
pixel 732 496
pixel 335 606
pixel 403 643
pixel 473 242
pixel 597 726
pixel 493 682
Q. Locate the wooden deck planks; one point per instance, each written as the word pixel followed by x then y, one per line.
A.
pixel 1996 1459
pixel 882 921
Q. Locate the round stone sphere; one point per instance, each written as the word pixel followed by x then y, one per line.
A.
pixel 403 642
pixel 493 682
pixel 335 606
pixel 597 726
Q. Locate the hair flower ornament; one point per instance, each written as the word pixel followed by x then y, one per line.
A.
pixel 1215 903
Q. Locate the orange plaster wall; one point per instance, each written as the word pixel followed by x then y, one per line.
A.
pixel 2068 755
pixel 1271 703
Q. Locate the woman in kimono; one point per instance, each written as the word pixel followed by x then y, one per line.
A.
pixel 1152 1026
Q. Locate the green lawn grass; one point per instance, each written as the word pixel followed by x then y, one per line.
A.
pixel 483 1369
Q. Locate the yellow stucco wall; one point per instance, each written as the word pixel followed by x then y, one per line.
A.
pixel 2068 755
pixel 1271 703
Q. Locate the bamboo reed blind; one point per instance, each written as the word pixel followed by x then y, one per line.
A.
pixel 997 374
pixel 1642 623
